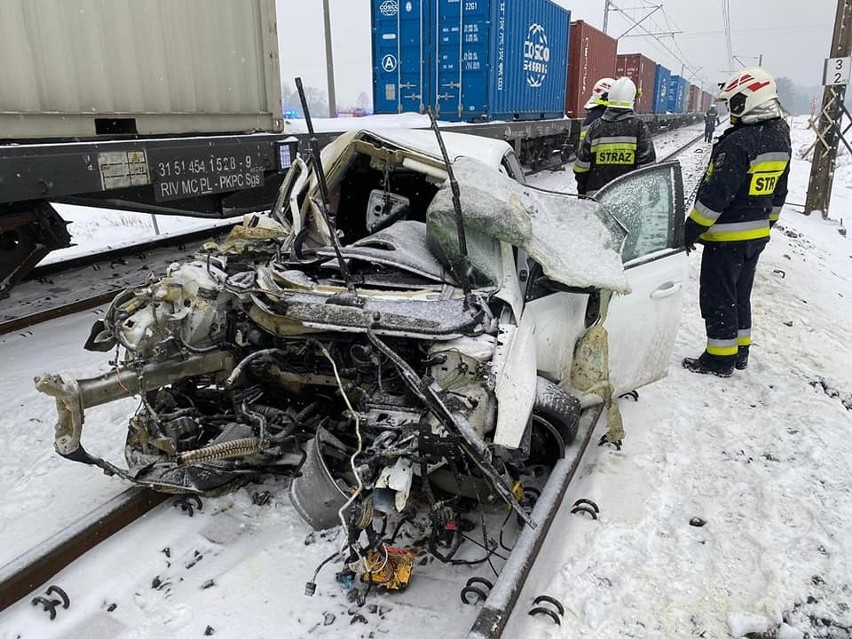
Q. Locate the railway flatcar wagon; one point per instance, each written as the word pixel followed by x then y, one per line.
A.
pixel 642 70
pixel 662 77
pixel 591 56
pixel 471 60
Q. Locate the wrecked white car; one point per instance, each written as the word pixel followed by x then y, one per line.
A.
pixel 385 360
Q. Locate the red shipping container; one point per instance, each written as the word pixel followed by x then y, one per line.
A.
pixel 641 70
pixel 591 56
pixel 695 99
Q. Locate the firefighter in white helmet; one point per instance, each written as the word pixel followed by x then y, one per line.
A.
pixel 615 144
pixel 738 201
pixel 596 104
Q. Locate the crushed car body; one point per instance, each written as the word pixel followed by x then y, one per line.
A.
pixel 339 346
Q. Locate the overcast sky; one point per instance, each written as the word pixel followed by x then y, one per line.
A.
pixel 794 37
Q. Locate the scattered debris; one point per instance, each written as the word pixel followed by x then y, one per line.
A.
pixel 49 604
pixel 819 382
pixel 553 609
pixel 472 588
pixel 188 503
pixel 262 498
pixel 586 506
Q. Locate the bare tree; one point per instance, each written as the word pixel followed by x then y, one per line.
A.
pixel 317 102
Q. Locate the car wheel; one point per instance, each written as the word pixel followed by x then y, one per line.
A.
pixel 555 419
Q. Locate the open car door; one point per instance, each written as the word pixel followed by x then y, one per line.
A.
pixel 643 324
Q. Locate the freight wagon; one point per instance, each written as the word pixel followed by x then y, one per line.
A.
pixel 678 95
pixel 456 60
pixel 159 107
pixel 475 61
pixel 662 78
pixel 591 56
pixel 695 99
pixel 643 71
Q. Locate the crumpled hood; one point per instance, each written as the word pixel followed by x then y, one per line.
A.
pixel 576 241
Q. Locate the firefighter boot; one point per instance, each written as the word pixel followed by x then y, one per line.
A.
pixel 742 358
pixel 708 365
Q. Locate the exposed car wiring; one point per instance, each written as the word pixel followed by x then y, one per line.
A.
pixel 358 450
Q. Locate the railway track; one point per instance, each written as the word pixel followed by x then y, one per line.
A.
pixel 82 283
pixel 35 568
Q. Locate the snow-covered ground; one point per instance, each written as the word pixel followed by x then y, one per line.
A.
pixel 763 458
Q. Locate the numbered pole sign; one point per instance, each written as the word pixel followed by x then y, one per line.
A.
pixel 837 71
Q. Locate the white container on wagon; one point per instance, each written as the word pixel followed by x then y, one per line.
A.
pixel 90 68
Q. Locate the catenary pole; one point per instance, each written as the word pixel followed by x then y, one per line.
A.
pixel 329 60
pixel 825 155
pixel 606 15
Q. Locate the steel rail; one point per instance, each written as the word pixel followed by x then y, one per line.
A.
pixel 34 568
pixel 495 613
pixel 38 290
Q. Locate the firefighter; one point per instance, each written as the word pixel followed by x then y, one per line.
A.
pixel 596 104
pixel 739 200
pixel 711 119
pixel 615 144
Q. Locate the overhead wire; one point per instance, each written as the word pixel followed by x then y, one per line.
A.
pixel 726 20
pixel 677 53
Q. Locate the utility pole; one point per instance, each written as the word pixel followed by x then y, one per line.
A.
pixel 329 60
pixel 606 15
pixel 828 127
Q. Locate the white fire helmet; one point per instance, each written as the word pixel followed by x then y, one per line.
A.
pixel 747 90
pixel 600 93
pixel 622 95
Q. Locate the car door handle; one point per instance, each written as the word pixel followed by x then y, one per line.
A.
pixel 669 288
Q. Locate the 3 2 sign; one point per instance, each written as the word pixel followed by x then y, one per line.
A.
pixel 837 71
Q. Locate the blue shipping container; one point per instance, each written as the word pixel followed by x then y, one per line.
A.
pixel 471 60
pixel 661 89
pixel 677 94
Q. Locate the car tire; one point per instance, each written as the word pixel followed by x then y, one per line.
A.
pixel 556 411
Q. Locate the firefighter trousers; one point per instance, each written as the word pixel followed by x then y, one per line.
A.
pixel 727 276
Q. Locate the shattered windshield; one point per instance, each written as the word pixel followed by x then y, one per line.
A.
pixel 577 242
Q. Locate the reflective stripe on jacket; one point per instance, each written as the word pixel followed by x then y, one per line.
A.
pixel 615 144
pixel 744 188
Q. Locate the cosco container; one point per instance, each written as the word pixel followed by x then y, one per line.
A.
pixel 662 76
pixel 641 70
pixel 677 95
pixel 82 68
pixel 470 60
pixel 592 56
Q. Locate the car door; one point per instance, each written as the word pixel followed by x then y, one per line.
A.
pixel 643 324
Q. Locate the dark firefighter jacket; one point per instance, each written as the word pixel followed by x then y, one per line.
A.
pixel 615 144
pixel 745 185
pixel 591 115
pixel 711 119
